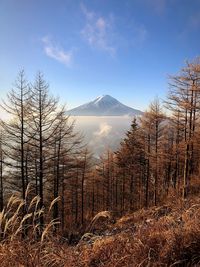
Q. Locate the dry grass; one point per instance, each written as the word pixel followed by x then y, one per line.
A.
pixel 23 241
pixel 162 236
pixel 21 218
pixel 99 220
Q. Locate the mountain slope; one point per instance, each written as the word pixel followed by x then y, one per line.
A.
pixel 104 106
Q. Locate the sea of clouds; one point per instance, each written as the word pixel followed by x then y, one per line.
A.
pixel 102 133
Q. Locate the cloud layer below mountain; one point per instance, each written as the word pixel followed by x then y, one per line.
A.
pixel 101 133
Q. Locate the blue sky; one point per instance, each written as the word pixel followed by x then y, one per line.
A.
pixel 88 48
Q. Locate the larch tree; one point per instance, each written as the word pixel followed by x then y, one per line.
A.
pixel 130 159
pixel 66 144
pixel 44 122
pixel 152 125
pixel 17 105
pixel 184 98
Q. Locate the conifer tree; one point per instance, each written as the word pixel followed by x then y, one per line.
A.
pixel 16 106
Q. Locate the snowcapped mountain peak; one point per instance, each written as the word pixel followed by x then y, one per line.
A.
pixel 104 105
pixel 105 99
pixel 99 98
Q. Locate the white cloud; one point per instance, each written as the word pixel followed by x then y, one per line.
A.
pixel 101 24
pixel 102 33
pixel 54 51
pixel 104 130
pixel 98 31
pixel 89 14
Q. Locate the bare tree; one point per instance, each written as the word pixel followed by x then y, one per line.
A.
pixel 43 125
pixel 184 98
pixel 16 106
pixel 152 124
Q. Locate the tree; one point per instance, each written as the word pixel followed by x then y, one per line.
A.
pixel 184 99
pixel 16 106
pixel 152 125
pixel 65 143
pixel 131 164
pixel 44 122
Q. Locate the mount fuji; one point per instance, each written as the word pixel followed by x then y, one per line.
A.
pixel 104 105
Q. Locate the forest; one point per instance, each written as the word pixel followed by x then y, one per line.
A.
pixel 50 183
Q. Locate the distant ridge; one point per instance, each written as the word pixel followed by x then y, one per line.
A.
pixel 104 105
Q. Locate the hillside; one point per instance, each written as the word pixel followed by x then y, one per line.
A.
pixel 168 235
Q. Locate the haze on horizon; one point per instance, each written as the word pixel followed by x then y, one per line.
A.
pixel 88 48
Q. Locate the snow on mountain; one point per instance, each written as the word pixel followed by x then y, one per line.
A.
pixel 104 106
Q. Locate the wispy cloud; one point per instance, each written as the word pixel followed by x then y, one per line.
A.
pixel 98 31
pixel 102 33
pixel 54 51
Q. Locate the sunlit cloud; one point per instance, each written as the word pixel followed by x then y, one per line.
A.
pixel 104 130
pixel 98 31
pixel 54 51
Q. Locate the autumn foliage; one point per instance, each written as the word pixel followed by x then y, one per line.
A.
pixel 136 206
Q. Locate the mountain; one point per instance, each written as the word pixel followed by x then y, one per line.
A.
pixel 104 106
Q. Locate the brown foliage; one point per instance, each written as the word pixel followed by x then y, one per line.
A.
pixel 160 236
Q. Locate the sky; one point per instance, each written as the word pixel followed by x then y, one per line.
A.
pixel 126 49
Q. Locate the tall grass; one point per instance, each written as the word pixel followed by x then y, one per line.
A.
pixel 20 218
pixel 160 236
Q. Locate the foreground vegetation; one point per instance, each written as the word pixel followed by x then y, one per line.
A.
pixel 168 235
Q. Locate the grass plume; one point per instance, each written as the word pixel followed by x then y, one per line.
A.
pixel 159 236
